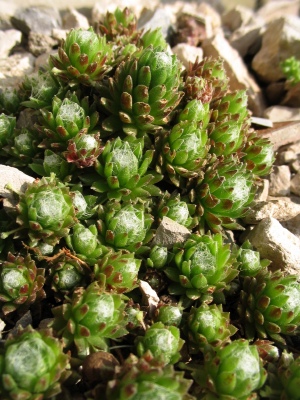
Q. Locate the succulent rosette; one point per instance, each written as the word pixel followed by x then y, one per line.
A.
pixel 32 366
pixel 10 101
pixel 46 211
pixel 270 305
pixel 118 271
pixel 84 241
pixel 158 257
pixel 178 209
pixel 147 377
pixel 184 151
pixel 202 266
pixel 41 88
pixel 66 274
pixel 7 127
pixel 208 324
pixel 122 169
pixel 169 314
pixel 90 319
pixel 283 378
pixel 21 283
pixel 66 119
pixel 83 149
pixel 258 154
pixel 125 226
pixel 120 26
pixel 83 57
pixel 22 147
pixel 224 194
pixel 249 260
pixel 162 341
pixel 143 93
pixel 231 372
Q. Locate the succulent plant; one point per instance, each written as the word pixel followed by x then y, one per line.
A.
pixel 84 241
pixel 32 366
pixel 66 119
pixel 291 69
pixel 283 378
pixel 169 314
pixel 249 260
pixel 21 283
pixel 202 266
pixel 83 57
pixel 208 324
pixel 148 377
pixel 90 318
pixel 270 305
pixel 125 226
pixel 122 169
pixel 119 271
pixel 224 194
pixel 7 126
pixel 234 371
pixel 66 274
pixel 45 211
pixel 143 93
pixel 162 341
pixel 120 26
pixel 158 257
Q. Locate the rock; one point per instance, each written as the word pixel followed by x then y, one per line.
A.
pixel 160 18
pixel 170 232
pixel 14 178
pixel 59 34
pixel 281 40
pixel 37 19
pixel 39 43
pixel 187 53
pixel 280 179
pixel 295 184
pixel 247 39
pixel 282 209
pixel 275 9
pixel 277 244
pixel 7 10
pixel 9 39
pixel 292 98
pixel 282 113
pixel 275 92
pixel 262 190
pixel 13 69
pixel 237 17
pixel 73 19
pixel 282 133
pixel 237 71
pixel 293 225
pixel 191 30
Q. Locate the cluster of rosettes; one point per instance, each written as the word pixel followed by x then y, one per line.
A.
pixel 122 137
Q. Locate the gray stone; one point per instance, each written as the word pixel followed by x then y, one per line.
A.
pixel 292 98
pixel 37 19
pixel 282 113
pixel 237 17
pixel 187 53
pixel 282 133
pixel 7 10
pixel 262 192
pixel 170 232
pixel 281 40
pixel 275 9
pixel 280 179
pixel 238 74
pixel 74 19
pixel 14 68
pixel 277 244
pixel 247 39
pixel 16 179
pixel 39 43
pixel 295 184
pixel 9 39
pixel 282 209
pixel 160 18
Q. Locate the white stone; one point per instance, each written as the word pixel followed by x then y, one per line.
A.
pixel 281 40
pixel 74 19
pixel 280 179
pixel 237 72
pixel 277 244
pixel 295 184
pixel 9 39
pixel 16 179
pixel 170 232
pixel 187 53
pixel 282 113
